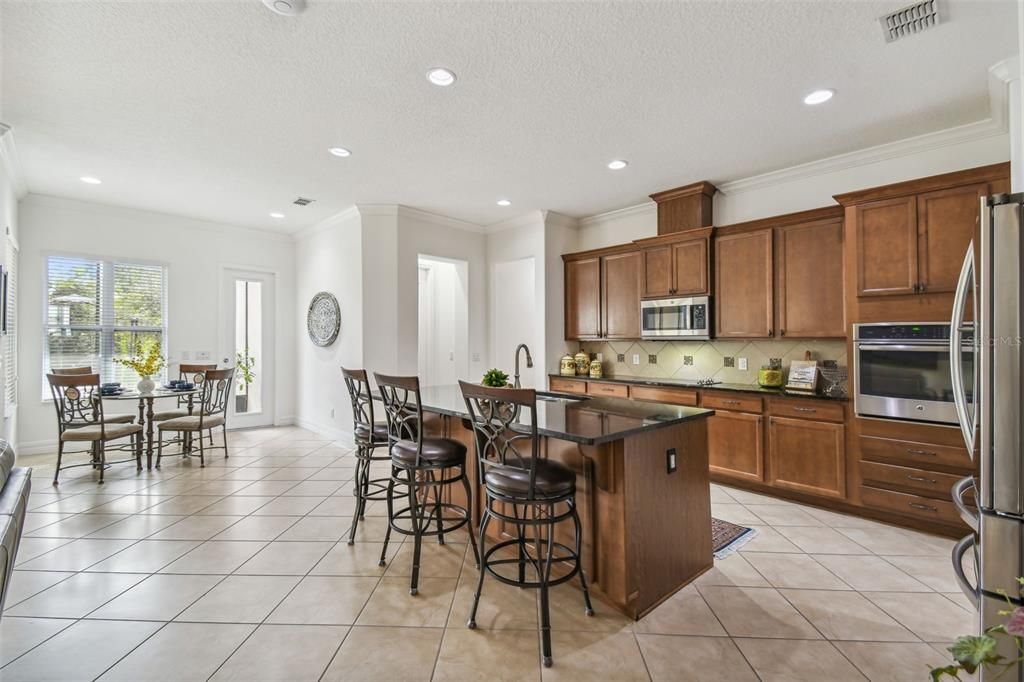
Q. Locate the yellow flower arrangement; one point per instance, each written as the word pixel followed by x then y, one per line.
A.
pixel 146 358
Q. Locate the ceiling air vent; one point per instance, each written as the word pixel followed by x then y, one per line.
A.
pixel 910 20
pixel 303 201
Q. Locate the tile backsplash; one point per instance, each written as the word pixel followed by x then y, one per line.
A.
pixel 720 359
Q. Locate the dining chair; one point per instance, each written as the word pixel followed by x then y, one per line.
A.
pixel 75 371
pixel 213 412
pixel 187 372
pixel 78 402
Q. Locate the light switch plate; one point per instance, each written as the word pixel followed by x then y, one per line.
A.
pixel 742 364
pixel 476 357
pixel 202 355
pixel 186 355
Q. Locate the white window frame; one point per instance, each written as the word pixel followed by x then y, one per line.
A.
pixel 107 302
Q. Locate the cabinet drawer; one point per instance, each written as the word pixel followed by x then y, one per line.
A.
pixel 567 385
pixel 675 396
pixel 911 480
pixel 917 506
pixel 612 390
pixel 927 454
pixel 806 409
pixel 725 401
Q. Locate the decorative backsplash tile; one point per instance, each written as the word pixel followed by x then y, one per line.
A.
pixel 707 359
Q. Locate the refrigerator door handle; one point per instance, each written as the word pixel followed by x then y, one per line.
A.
pixel 969 517
pixel 968 425
pixel 972 592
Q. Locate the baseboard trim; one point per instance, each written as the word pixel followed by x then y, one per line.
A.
pixel 331 432
pixel 36 447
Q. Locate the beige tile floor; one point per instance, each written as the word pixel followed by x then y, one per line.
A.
pixel 239 571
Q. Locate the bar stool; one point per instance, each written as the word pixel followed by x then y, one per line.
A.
pixel 368 435
pixel 426 466
pixel 532 488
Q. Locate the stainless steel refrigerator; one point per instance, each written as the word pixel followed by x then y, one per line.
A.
pixel 985 357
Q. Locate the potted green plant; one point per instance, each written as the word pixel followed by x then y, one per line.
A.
pixel 495 378
pixel 973 652
pixel 245 364
pixel 146 360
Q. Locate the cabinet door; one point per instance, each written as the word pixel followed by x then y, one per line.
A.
pixel 621 284
pixel 658 272
pixel 583 299
pixel 946 223
pixel 734 445
pixel 886 247
pixel 807 456
pixel 743 284
pixel 810 274
pixel 690 261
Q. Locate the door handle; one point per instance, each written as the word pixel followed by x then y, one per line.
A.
pixel 961 547
pixel 967 422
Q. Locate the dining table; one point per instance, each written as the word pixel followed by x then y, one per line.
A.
pixel 146 401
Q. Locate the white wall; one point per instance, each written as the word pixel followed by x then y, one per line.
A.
pixel 774 194
pixel 328 258
pixel 194 252
pixel 8 227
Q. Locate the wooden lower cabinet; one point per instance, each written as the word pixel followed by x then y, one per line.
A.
pixel 807 456
pixel 734 445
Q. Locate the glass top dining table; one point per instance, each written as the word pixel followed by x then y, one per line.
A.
pixel 146 401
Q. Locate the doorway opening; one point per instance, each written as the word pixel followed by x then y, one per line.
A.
pixel 443 336
pixel 248 345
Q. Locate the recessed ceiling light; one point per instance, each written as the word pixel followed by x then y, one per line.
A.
pixel 504 202
pixel 617 164
pixel 340 151
pixel 89 180
pixel 819 96
pixel 275 214
pixel 441 76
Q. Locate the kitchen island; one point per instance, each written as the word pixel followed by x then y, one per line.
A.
pixel 643 490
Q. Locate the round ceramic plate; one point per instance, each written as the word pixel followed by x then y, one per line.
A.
pixel 323 320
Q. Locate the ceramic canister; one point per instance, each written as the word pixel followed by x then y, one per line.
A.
pixel 596 371
pixel 567 367
pixel 582 363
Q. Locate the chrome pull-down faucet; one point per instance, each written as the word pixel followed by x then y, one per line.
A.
pixel 529 361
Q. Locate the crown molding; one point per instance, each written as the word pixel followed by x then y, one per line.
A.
pixel 535 217
pixel 352 212
pixel 557 219
pixel 437 219
pixel 619 214
pixel 11 161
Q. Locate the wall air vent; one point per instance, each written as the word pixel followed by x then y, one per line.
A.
pixel 910 20
pixel 303 201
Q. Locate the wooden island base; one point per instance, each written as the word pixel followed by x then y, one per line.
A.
pixel 646 529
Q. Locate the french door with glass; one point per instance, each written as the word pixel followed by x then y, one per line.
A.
pixel 247 343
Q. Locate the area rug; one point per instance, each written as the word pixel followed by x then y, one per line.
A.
pixel 727 538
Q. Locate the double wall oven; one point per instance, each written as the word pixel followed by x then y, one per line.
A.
pixel 903 371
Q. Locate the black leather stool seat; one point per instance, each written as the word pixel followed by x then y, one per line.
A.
pixel 436 452
pixel 380 432
pixel 553 479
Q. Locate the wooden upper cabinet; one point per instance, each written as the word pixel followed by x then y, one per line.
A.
pixel 743 284
pixel 947 221
pixel 690 263
pixel 658 279
pixel 621 288
pixel 583 298
pixel 886 233
pixel 810 279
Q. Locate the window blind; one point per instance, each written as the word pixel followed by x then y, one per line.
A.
pixel 10 348
pixel 101 310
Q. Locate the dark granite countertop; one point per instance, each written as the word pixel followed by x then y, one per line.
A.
pixel 689 383
pixel 581 419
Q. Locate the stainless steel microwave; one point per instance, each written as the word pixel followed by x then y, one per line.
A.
pixel 676 318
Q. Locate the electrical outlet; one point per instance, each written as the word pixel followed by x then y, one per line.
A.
pixel 621 357
pixel 332 413
pixel 652 359
pixel 671 463
pixel 729 360
pixel 476 357
pixel 600 357
pixel 743 364
pixel 202 355
pixel 688 360
pixel 636 358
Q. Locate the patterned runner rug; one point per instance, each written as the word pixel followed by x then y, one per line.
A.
pixel 727 538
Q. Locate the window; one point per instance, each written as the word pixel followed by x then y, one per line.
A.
pixel 10 342
pixel 100 310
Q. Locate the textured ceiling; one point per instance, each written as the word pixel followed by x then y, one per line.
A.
pixel 224 111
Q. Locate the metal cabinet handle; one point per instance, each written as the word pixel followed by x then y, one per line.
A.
pixel 915 451
pixel 923 287
pixel 923 507
pixel 731 402
pixel 782 332
pixel 922 479
pixel 805 409
pixel 916 287
pixel 769 331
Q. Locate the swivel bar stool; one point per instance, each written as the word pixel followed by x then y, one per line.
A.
pixel 539 492
pixel 426 466
pixel 369 435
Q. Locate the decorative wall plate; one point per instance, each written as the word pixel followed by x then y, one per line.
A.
pixel 323 320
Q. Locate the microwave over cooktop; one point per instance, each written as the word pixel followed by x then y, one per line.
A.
pixel 665 319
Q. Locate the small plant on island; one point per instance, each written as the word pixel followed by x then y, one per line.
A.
pixel 495 378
